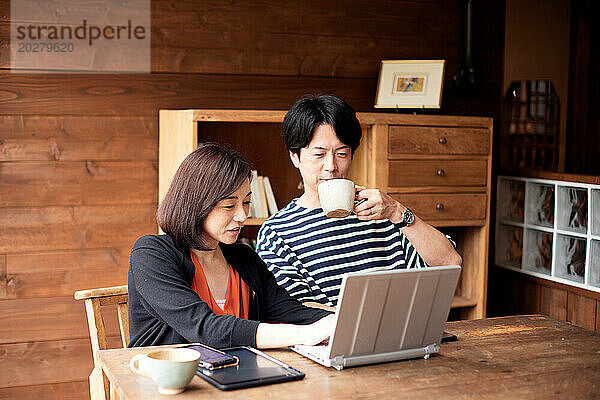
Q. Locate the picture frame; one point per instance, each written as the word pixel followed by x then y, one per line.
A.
pixel 410 84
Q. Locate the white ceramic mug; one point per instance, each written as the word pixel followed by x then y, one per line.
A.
pixel 337 197
pixel 170 369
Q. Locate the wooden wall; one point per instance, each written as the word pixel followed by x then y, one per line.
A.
pixel 514 293
pixel 78 153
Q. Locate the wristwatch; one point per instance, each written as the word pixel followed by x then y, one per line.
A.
pixel 407 218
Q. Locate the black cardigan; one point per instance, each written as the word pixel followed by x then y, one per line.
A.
pixel 163 308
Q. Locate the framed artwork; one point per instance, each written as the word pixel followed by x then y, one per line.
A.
pixel 410 84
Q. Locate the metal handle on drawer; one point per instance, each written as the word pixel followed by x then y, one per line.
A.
pixel 439 207
pixel 442 140
pixel 440 172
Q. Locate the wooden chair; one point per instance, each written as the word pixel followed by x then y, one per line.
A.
pixel 94 300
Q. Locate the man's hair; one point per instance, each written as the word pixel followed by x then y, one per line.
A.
pixel 206 176
pixel 311 111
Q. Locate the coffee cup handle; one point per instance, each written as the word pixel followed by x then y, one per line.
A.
pixel 356 201
pixel 135 368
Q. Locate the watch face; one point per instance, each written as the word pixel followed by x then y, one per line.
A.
pixel 408 217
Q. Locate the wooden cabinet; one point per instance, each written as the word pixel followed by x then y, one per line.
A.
pixel 439 166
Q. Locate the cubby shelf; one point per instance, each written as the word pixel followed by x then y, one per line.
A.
pixel 549 229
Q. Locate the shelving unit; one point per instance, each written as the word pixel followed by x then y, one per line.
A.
pixel 549 229
pixel 531 125
pixel 439 166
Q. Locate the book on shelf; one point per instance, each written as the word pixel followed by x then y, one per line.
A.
pixel 262 199
pixel 254 188
pixel 264 208
pixel 270 196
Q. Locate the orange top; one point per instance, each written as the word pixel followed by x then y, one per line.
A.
pixel 237 298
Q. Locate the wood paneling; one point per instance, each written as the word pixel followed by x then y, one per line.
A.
pixel 515 293
pixel 81 129
pixel 286 54
pixel 3 291
pixel 381 18
pixel 72 149
pixel 51 360
pixel 145 94
pixel 304 39
pixel 53 318
pixel 581 310
pixel 598 315
pixel 86 227
pixel 52 183
pixel 53 391
pixel 376 20
pixel 553 302
pixel 61 273
pixel 530 302
pixel 54 362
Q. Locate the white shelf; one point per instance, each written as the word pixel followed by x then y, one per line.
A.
pixel 549 229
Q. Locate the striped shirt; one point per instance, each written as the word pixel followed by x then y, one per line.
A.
pixel 308 252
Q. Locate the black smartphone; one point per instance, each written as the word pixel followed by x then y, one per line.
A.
pixel 212 358
pixel 449 337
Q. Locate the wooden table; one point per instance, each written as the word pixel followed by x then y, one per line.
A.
pixel 510 357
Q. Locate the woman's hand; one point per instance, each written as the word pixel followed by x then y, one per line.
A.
pixel 319 331
pixel 377 205
pixel 282 335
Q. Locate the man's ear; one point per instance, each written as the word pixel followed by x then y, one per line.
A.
pixel 295 159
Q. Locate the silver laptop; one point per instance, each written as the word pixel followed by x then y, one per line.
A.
pixel 387 316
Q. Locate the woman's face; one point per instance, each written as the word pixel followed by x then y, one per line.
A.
pixel 224 222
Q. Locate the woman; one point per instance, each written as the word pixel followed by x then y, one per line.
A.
pixel 195 284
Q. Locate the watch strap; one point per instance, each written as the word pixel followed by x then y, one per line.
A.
pixel 408 218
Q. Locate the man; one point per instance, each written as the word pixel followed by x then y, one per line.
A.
pixel 308 252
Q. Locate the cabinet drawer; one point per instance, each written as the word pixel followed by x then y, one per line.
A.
pixel 446 207
pixel 437 173
pixel 438 140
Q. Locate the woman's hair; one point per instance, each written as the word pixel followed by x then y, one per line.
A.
pixel 309 112
pixel 206 176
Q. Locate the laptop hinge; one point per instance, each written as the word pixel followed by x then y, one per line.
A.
pixel 339 362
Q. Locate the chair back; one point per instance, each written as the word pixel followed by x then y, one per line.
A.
pixel 95 299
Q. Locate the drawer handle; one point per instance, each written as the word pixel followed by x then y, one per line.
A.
pixel 442 140
pixel 439 207
pixel 440 172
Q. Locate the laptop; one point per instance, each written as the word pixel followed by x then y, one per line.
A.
pixel 388 316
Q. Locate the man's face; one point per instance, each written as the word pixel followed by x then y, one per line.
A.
pixel 325 157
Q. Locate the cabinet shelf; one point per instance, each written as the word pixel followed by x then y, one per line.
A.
pixel 255 221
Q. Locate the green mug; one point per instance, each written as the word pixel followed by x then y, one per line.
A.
pixel 170 369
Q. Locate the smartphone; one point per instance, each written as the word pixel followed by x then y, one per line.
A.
pixel 449 337
pixel 212 358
